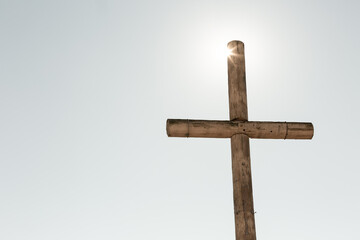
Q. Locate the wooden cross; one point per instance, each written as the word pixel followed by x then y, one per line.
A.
pixel 239 130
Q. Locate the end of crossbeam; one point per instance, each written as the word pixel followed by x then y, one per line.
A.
pixel 297 130
pixel 177 127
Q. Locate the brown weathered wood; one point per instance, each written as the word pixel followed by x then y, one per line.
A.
pixel 237 81
pixel 226 129
pixel 239 130
pixel 242 186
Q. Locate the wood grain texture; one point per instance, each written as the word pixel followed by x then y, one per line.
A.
pixel 237 81
pixel 226 129
pixel 242 188
pixel 240 150
pixel 239 130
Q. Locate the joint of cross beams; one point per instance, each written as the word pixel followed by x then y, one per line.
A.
pixel 242 211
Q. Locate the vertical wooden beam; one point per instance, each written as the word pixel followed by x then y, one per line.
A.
pixel 240 149
pixel 237 82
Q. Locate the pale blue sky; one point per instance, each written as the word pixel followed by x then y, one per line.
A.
pixel 86 88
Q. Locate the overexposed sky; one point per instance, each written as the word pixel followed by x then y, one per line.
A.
pixel 86 88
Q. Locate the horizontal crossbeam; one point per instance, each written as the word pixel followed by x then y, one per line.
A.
pixel 226 129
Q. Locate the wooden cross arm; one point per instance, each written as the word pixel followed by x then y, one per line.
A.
pixel 226 129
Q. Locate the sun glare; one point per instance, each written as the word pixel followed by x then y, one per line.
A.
pixel 228 52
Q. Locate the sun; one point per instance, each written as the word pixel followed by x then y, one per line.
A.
pixel 228 52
